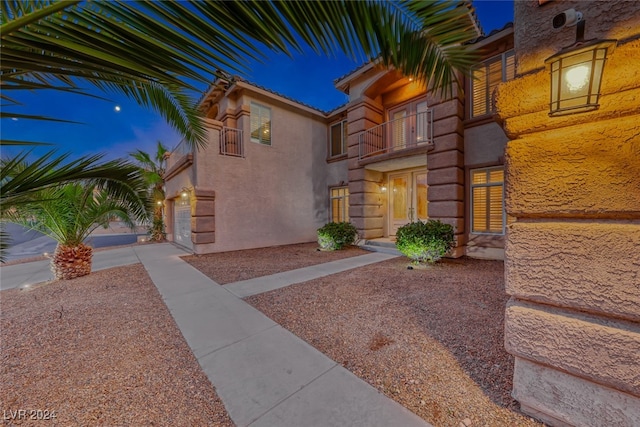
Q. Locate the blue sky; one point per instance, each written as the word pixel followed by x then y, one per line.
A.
pixel 304 77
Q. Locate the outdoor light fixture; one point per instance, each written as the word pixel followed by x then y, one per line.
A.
pixel 185 192
pixel 576 73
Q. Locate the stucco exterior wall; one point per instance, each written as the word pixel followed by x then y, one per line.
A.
pixel 484 145
pixel 572 261
pixel 276 194
pixel 365 199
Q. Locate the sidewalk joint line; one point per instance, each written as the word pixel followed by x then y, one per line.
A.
pixel 297 391
pixel 238 341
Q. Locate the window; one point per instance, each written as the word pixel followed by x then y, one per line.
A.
pixel 487 200
pixel 260 124
pixel 338 139
pixel 486 77
pixel 339 204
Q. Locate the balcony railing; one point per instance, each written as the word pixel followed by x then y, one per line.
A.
pixel 395 135
pixel 231 142
pixel 182 149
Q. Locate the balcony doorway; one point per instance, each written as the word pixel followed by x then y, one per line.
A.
pixel 407 198
pixel 409 124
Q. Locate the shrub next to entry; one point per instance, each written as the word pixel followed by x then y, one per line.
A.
pixel 336 235
pixel 425 241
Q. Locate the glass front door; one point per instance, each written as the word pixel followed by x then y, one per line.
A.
pixel 407 199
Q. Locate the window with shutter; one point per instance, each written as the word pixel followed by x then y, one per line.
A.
pixel 260 124
pixel 338 139
pixel 339 198
pixel 487 200
pixel 486 77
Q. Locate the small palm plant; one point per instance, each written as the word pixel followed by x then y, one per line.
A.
pixel 69 213
pixel 152 169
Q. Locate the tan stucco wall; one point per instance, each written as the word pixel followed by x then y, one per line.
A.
pixel 572 258
pixel 276 194
pixel 484 145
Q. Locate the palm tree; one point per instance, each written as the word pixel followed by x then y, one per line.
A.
pixel 157 53
pixel 69 213
pixel 22 182
pixel 152 169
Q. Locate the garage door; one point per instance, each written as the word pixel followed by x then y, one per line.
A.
pixel 182 223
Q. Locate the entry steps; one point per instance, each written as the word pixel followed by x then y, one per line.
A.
pixel 381 245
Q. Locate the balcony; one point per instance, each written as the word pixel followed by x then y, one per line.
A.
pixel 397 135
pixel 231 143
pixel 178 159
pixel 181 150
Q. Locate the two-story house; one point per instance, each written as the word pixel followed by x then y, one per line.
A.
pixel 275 170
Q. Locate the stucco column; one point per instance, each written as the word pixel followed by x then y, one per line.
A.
pixel 365 200
pixel 573 253
pixel 445 165
pixel 203 214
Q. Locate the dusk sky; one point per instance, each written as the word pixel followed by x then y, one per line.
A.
pixel 305 77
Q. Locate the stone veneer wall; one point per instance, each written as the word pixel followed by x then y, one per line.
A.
pixel 573 254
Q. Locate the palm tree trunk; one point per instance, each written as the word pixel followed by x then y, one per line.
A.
pixel 69 262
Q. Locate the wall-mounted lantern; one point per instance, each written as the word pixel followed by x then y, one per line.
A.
pixel 576 73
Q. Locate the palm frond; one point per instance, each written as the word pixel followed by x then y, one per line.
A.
pixel 183 42
pixel 16 142
pixel 20 180
pixel 8 115
pixel 69 213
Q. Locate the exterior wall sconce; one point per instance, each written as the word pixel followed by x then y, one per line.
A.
pixel 185 192
pixel 576 74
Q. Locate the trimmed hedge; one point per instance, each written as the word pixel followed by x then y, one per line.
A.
pixel 336 235
pixel 425 242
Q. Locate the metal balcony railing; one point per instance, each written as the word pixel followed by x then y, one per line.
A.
pixel 395 135
pixel 182 149
pixel 231 142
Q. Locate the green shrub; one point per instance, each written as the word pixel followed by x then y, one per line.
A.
pixel 336 235
pixel 425 241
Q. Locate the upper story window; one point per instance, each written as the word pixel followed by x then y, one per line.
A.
pixel 260 124
pixel 487 200
pixel 488 75
pixel 338 139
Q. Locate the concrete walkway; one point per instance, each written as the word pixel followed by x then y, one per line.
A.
pixel 29 273
pixel 265 375
pixel 259 285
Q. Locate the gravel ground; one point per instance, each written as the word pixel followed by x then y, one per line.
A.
pixel 104 350
pixel 229 267
pixel 100 350
pixel 431 339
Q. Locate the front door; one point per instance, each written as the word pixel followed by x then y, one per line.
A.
pixel 407 198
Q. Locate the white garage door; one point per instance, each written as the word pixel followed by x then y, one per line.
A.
pixel 182 223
